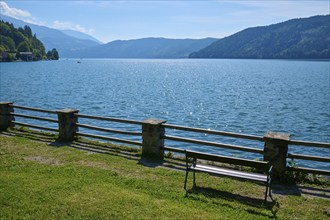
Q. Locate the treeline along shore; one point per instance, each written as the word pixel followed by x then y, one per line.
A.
pixel 20 44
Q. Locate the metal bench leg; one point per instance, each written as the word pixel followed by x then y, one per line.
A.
pixel 194 179
pixel 270 192
pixel 266 193
pixel 185 182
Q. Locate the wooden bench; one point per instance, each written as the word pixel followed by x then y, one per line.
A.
pixel 193 165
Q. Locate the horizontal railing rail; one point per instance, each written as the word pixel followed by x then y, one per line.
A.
pixel 214 144
pixel 35 109
pixel 309 157
pixel 109 138
pixel 310 144
pixel 174 149
pixel 215 132
pixel 34 117
pixel 35 126
pixel 109 130
pixel 110 119
pixel 309 170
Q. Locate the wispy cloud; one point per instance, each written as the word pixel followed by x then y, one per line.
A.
pixel 70 26
pixel 14 12
pixel 26 16
pixel 20 14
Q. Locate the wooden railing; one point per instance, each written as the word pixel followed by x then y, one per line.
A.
pixel 251 150
pixel 49 112
pixel 109 130
pixel 310 157
pixel 149 136
pixel 210 143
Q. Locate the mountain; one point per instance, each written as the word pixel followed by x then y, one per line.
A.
pixel 52 38
pixel 80 35
pixel 146 48
pixel 304 38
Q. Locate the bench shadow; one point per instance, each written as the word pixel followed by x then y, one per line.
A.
pixel 214 193
pixel 271 205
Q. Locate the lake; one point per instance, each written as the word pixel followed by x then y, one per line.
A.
pixel 241 96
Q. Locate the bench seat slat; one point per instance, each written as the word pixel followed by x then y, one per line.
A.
pixel 231 173
pixel 236 172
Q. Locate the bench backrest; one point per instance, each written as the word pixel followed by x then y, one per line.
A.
pixel 229 160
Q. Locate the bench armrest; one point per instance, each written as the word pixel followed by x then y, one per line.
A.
pixel 190 162
pixel 270 173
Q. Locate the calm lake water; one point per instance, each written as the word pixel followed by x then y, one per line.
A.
pixel 242 96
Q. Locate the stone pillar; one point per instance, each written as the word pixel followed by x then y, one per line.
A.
pixel 152 141
pixel 5 118
pixel 276 151
pixel 67 124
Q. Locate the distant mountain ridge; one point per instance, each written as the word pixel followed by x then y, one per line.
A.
pixel 53 38
pixel 146 48
pixel 72 44
pixel 80 35
pixel 304 38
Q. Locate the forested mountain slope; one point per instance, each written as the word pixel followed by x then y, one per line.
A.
pixel 305 38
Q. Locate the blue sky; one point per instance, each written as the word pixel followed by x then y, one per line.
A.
pixel 113 20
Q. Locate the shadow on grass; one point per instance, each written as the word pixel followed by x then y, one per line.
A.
pixel 130 153
pixel 40 137
pixel 315 191
pixel 300 190
pixel 93 147
pixel 105 149
pixel 170 163
pixel 272 206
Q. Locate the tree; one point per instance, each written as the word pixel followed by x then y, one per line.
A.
pixel 49 55
pixel 18 37
pixel 28 31
pixel 55 54
pixel 52 55
pixel 7 43
pixel 15 40
pixel 5 30
pixel 24 47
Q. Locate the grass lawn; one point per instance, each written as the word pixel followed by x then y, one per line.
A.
pixel 40 179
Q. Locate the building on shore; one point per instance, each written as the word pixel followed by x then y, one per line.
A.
pixel 26 56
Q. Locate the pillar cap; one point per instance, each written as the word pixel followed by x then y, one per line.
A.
pixel 277 136
pixel 67 110
pixel 153 121
pixel 6 103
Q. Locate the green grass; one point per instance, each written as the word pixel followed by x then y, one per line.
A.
pixel 40 180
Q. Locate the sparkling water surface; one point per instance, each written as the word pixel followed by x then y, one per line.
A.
pixel 241 96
